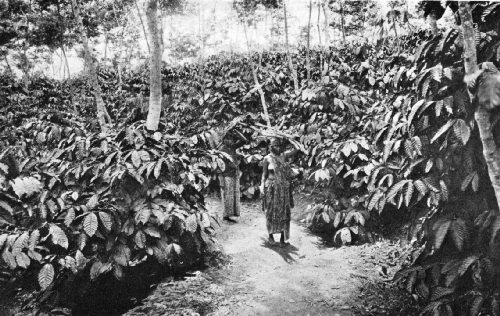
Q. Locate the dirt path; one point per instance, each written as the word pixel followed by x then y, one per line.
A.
pixel 301 279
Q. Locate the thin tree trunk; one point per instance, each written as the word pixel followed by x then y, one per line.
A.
pixel 319 40
pixel 61 65
pixel 65 61
pixel 120 45
pixel 342 21
pixel 52 63
pixel 102 114
pixel 327 35
pixel 154 110
pixel 106 39
pixel 256 79
pixel 395 31
pixel 308 56
pixel 25 69
pixel 289 56
pixel 483 116
pixel 142 24
pixel 202 47
pixel 71 94
pixel 8 64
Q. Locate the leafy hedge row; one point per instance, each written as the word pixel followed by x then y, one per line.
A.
pixel 88 204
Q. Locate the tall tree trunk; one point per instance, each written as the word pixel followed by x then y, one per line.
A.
pixel 342 21
pixel 142 24
pixel 106 39
pixel 202 47
pixel 308 56
pixel 256 79
pixel 120 45
pixel 102 114
pixel 319 41
pixel 395 31
pixel 71 93
pixel 25 68
pixel 161 33
pixel 482 115
pixel 65 61
pixel 52 63
pixel 289 56
pixel 327 26
pixel 154 110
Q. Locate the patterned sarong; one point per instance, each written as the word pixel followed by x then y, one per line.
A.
pixel 276 202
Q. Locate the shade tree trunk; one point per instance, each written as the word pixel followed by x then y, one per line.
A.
pixel 154 110
pixel 102 114
pixel 482 115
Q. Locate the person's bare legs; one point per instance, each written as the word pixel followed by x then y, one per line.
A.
pixel 282 239
pixel 271 238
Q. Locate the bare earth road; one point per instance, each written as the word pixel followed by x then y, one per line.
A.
pixel 301 279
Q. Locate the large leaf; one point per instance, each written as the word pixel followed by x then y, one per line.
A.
pixel 462 131
pixel 106 220
pixel 26 186
pixel 191 223
pixel 46 276
pixel 443 130
pixel 459 233
pixel 395 189
pixel 20 243
pixel 90 224
pixel 6 206
pixel 58 236
pixel 440 229
pixel 143 215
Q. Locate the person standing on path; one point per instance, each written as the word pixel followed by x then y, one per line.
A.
pixel 276 189
pixel 230 181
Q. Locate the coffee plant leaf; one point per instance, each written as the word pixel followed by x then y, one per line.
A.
pixel 46 276
pixel 443 130
pixel 459 233
pixel 106 220
pixel 90 224
pixel 58 236
pixel 95 270
pixel 440 229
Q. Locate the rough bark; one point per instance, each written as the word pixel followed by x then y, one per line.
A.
pixel 289 56
pixel 154 110
pixel 142 24
pixel 102 114
pixel 482 116
pixel 308 56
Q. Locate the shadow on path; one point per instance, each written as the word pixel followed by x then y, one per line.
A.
pixel 285 252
